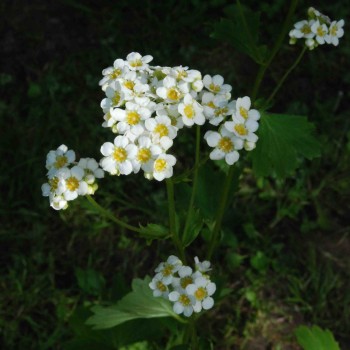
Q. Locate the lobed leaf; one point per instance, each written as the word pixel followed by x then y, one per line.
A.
pixel 139 303
pixel 315 338
pixel 282 140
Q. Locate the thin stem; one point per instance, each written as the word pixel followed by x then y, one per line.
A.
pixel 195 179
pixel 220 212
pixel 275 49
pixel 112 217
pixel 172 219
pixel 286 74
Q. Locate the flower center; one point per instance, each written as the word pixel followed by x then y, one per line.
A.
pixel 133 118
pixel 200 293
pixel 162 130
pixel 129 84
pixel 184 300
pixel 160 165
pixel 306 29
pixel 53 184
pixel 161 286
pixel 241 130
pixel 243 112
pixel 115 74
pixel 211 104
pixel 185 281
pixel 119 154
pixel 136 63
pixel 225 144
pixel 189 112
pixel 72 183
pixel 116 99
pixel 143 155
pixel 333 30
pixel 173 94
pixel 320 31
pixel 61 161
pixel 181 74
pixel 221 111
pixel 213 87
pixel 168 269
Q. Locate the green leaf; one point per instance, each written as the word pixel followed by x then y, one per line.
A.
pixel 195 225
pixel 282 140
pixel 140 303
pixel 241 30
pixel 315 338
pixel 260 261
pixel 154 231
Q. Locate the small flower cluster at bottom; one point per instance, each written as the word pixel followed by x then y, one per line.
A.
pixel 68 179
pixel 189 290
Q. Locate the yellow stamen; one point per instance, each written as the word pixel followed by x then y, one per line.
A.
pixel 129 84
pixel 168 269
pixel 115 74
pixel 225 144
pixel 161 130
pixel 185 281
pixel 119 154
pixel 53 184
pixel 221 111
pixel 173 94
pixel 241 130
pixel 116 99
pixel 320 31
pixel 189 112
pixel 184 300
pixel 144 155
pixel 136 63
pixel 160 165
pixel 161 286
pixel 211 104
pixel 132 118
pixel 61 161
pixel 243 112
pixel 213 87
pixel 306 29
pixel 200 293
pixel 72 183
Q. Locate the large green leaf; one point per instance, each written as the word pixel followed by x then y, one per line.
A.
pixel 139 303
pixel 241 30
pixel 282 140
pixel 315 338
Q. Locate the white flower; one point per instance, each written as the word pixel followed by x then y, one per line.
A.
pixel 115 97
pixel 163 166
pixel 92 171
pixel 159 287
pixel 191 111
pixel 315 14
pixel 203 266
pixel 112 73
pixel 216 85
pixel 226 145
pixel 59 158
pixel 244 131
pixel 185 278
pixel 131 119
pixel 146 154
pixel 202 290
pixel 58 202
pixel 320 31
pixel 161 129
pixel 118 156
pixel 71 183
pixel 137 62
pixel 335 32
pixel 166 270
pixel 183 303
pixel 302 29
pixel 171 92
pixel 243 111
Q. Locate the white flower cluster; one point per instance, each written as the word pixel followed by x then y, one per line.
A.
pixel 318 29
pixel 147 106
pixel 68 179
pixel 190 291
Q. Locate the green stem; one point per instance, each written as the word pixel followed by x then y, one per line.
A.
pixel 220 212
pixel 286 74
pixel 111 217
pixel 172 219
pixel 195 179
pixel 275 49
